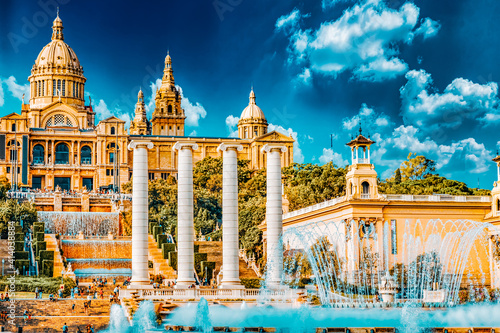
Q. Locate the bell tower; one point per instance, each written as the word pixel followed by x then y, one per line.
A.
pixel 361 180
pixel 140 125
pixel 168 116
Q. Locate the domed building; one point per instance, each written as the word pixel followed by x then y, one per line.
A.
pixel 55 141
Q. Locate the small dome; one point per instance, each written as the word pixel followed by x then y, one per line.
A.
pixel 252 111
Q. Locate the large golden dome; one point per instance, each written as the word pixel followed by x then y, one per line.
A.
pixel 252 121
pixel 57 53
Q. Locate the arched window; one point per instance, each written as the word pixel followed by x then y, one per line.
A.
pixel 246 133
pixel 255 131
pixel 366 190
pixel 62 154
pixel 86 155
pixel 59 120
pixel 58 92
pixel 170 109
pixel 54 88
pixel 38 154
pixel 64 87
pixel 14 152
pixel 112 130
pixel 43 87
pixel 13 127
pixel 352 189
pixel 498 205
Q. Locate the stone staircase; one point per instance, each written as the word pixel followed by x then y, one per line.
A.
pixel 51 241
pixel 160 265
pixel 214 253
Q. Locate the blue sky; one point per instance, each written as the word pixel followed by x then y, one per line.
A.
pixel 421 76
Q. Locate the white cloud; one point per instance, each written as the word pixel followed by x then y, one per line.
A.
pixel 232 126
pixel 461 100
pixel 298 157
pixel 193 112
pixel 290 21
pixel 103 112
pixel 17 90
pixel 310 138
pixel 363 40
pixel 325 4
pixel 305 77
pixel 330 156
pixel 370 120
pixel 150 106
pixel 193 133
pixel 428 28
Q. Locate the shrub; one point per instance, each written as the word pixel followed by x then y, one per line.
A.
pixel 40 236
pixel 151 226
pixel 196 248
pixel 46 255
pixel 157 231
pixel 47 268
pixel 172 260
pixel 21 255
pixel 40 246
pixel 20 263
pixel 166 248
pixel 198 258
pixel 253 283
pixel 48 284
pixel 19 246
pixel 209 267
pixel 161 239
pixel 19 237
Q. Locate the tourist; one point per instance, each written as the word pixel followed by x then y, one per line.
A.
pixel 65 328
pixel 25 316
pixel 1 297
pixel 36 292
pixel 114 281
pixel 78 330
pixel 6 299
pixel 85 307
pixel 77 281
pixel 73 307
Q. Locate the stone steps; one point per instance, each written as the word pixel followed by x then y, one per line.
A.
pixel 51 241
pixel 160 265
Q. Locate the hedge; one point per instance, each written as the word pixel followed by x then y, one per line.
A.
pixel 40 236
pixel 166 248
pixel 253 283
pixel 47 268
pixel 38 227
pixel 172 260
pixel 19 255
pixel 19 246
pixel 160 239
pixel 210 267
pixel 40 246
pixel 18 229
pixel 198 258
pixel 19 237
pixel 157 231
pixel 46 255
pixel 196 248
pixel 48 285
pixel 151 226
pixel 19 264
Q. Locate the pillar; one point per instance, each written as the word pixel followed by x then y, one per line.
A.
pixel 185 225
pixel 140 270
pixel 230 232
pixel 274 214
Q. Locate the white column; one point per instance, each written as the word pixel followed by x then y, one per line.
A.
pixel 368 154
pixel 185 224
pixel 274 212
pixel 140 271
pixel 230 232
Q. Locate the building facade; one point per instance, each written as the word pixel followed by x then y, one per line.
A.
pixel 54 141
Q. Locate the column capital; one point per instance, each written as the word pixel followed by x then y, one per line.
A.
pixel 181 145
pixel 227 146
pixel 137 143
pixel 269 147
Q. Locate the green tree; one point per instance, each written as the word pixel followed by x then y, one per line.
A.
pixel 417 167
pixel 4 187
pixel 397 176
pixel 11 210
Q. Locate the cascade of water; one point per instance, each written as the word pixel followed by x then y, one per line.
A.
pixel 71 223
pixel 118 323
pixel 144 318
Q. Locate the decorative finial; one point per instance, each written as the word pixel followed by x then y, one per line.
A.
pixel 360 127
pixel 23 103
pixel 57 11
pixel 90 100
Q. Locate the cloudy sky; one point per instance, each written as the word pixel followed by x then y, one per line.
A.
pixel 420 76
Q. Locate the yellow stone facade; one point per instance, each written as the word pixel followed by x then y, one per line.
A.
pixel 58 142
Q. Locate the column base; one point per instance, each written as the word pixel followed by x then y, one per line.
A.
pixel 231 285
pixel 139 286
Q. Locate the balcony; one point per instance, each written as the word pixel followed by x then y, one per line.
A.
pixel 86 161
pixel 361 161
pixel 365 196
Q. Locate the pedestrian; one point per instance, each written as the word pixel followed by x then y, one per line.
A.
pixel 73 307
pixel 65 328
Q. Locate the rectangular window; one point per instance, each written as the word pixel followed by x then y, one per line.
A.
pixel 111 157
pixel 151 176
pixel 8 169
pixel 43 87
pixel 394 238
pixel 88 183
pixel 58 92
pixel 54 91
pixel 36 182
pixel 164 175
pixel 109 172
pixel 74 86
pixel 64 88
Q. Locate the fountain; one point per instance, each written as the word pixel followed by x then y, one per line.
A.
pixel 72 223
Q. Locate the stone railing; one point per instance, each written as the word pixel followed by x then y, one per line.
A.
pixel 308 209
pixel 437 198
pixel 251 263
pixel 213 294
